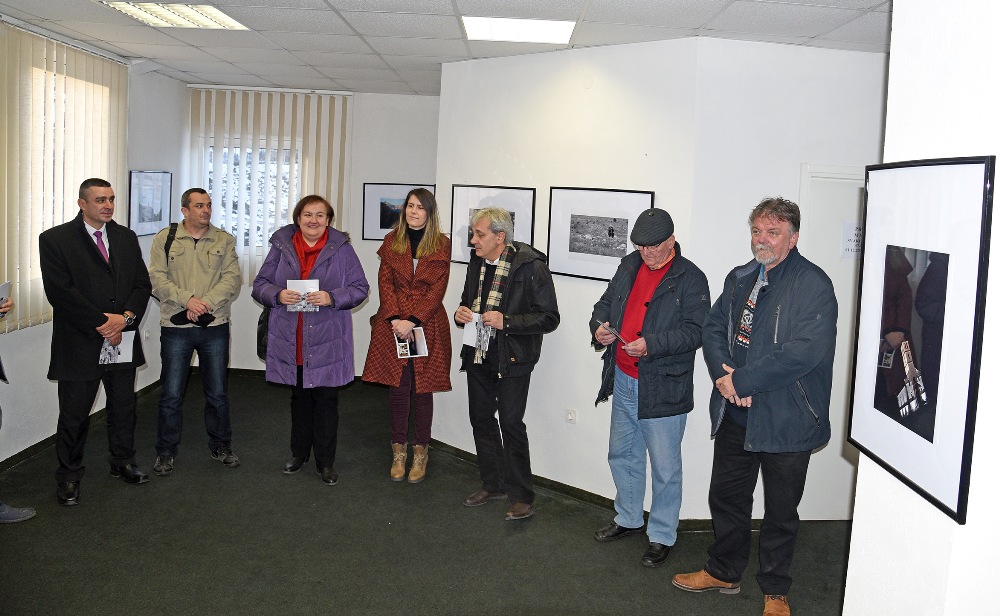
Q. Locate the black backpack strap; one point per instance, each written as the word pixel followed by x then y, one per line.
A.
pixel 170 240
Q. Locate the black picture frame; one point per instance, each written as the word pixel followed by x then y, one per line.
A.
pixel 589 229
pixel 927 237
pixel 149 201
pixel 380 208
pixel 466 199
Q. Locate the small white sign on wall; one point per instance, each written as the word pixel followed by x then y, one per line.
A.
pixel 851 240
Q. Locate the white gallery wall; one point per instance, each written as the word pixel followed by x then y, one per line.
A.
pixel 907 557
pixel 711 126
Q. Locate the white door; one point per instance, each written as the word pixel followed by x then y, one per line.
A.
pixel 832 202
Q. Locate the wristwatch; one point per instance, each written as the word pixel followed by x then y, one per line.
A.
pixel 129 319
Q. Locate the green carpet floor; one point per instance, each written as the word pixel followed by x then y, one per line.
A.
pixel 250 540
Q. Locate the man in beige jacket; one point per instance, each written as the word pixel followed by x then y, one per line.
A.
pixel 196 277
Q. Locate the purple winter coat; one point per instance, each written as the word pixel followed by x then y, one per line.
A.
pixel 327 335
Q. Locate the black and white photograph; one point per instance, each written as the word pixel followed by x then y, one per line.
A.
pixel 921 305
pixel 589 229
pixel 149 201
pixel 598 235
pixel 382 204
pixel 467 199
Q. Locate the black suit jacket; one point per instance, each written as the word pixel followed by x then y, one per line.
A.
pixel 81 287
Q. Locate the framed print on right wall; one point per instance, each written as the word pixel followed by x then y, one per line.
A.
pixel 921 311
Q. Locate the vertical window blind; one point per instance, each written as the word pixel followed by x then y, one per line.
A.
pixel 63 118
pixel 257 153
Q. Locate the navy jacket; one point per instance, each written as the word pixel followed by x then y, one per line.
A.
pixel 789 367
pixel 672 330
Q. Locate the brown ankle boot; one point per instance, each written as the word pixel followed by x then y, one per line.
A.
pixel 419 468
pixel 398 462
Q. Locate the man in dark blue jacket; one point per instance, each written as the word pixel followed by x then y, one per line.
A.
pixel 657 300
pixel 769 342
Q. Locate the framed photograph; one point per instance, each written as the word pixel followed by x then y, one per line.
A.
pixel 148 201
pixel 466 200
pixel 921 307
pixel 382 205
pixel 589 229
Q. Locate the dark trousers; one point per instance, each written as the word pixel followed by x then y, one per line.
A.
pixel 76 399
pixel 315 414
pixel 730 499
pixel 177 344
pixel 399 407
pixel 504 465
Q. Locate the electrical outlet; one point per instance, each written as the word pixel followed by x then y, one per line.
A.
pixel 570 416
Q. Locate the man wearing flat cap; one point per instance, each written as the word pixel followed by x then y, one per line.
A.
pixel 656 303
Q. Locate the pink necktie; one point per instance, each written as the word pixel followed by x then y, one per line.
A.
pixel 100 246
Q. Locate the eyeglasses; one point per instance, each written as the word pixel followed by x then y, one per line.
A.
pixel 648 248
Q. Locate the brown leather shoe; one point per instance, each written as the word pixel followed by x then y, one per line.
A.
pixel 482 497
pixel 702 581
pixel 519 511
pixel 419 469
pixel 398 468
pixel 776 605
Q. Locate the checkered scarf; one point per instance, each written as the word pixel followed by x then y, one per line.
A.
pixel 485 332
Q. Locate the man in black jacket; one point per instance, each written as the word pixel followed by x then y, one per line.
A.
pixel 657 300
pixel 768 343
pixel 510 299
pixel 97 283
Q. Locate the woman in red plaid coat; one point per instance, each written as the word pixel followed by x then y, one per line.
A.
pixel 412 280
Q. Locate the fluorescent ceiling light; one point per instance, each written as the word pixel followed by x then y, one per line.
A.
pixel 161 15
pixel 518 30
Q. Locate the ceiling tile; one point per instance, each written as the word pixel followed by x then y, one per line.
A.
pixel 850 45
pixel 869 28
pixel 674 14
pixel 204 67
pixel 405 24
pixel 418 46
pixel 758 38
pixel 178 75
pixel 16 13
pixel 346 60
pixel 862 5
pixel 423 63
pixel 72 10
pixel 426 7
pixel 230 54
pixel 562 10
pixel 497 49
pixel 782 19
pixel 589 34
pixel 359 74
pixel 120 34
pixel 220 38
pixel 317 83
pixel 277 70
pixel 298 41
pixel 290 20
pixel 244 81
pixel 167 52
pixel 411 76
pixel 274 4
pixel 379 87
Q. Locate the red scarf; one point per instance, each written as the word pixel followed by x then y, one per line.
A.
pixel 307 258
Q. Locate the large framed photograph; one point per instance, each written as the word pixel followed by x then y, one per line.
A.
pixel 149 201
pixel 589 229
pixel 382 205
pixel 920 320
pixel 466 200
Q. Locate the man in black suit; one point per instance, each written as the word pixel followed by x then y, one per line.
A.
pixel 97 283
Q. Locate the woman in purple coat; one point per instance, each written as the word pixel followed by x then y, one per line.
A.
pixel 311 347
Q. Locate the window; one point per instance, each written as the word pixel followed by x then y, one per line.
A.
pixel 258 153
pixel 63 114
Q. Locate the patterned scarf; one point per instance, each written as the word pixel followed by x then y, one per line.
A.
pixel 746 321
pixel 485 332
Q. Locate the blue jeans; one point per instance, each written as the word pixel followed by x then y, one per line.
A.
pixel 176 346
pixel 631 439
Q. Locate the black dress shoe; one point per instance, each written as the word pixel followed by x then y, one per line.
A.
pixel 68 493
pixel 613 531
pixel 130 473
pixel 328 475
pixel 293 465
pixel 656 555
